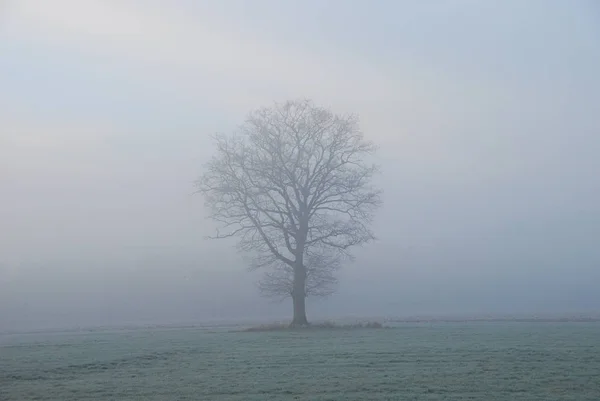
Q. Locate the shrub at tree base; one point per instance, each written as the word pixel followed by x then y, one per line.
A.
pixel 328 325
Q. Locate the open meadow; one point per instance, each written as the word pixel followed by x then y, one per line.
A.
pixel 427 361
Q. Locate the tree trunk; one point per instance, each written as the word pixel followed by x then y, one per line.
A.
pixel 299 297
pixel 299 311
pixel 299 291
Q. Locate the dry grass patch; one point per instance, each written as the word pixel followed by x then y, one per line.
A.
pixel 326 325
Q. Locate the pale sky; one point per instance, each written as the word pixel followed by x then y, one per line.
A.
pixel 486 114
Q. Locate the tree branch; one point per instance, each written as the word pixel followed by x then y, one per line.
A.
pixel 294 186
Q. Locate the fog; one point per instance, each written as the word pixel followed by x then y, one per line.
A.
pixel 486 115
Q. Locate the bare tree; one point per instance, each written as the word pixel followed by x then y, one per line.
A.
pixel 293 184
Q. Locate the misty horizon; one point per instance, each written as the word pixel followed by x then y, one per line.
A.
pixel 484 114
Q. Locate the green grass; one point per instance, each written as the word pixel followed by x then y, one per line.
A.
pixel 443 361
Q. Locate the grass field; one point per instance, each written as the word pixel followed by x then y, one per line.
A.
pixel 442 361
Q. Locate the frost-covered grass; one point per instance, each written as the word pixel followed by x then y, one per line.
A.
pixel 444 361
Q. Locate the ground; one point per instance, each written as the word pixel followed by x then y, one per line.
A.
pixel 442 361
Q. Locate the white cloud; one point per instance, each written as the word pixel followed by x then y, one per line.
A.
pixel 162 43
pixel 163 36
pixel 31 145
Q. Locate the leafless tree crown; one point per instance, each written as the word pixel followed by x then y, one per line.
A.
pixel 293 183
